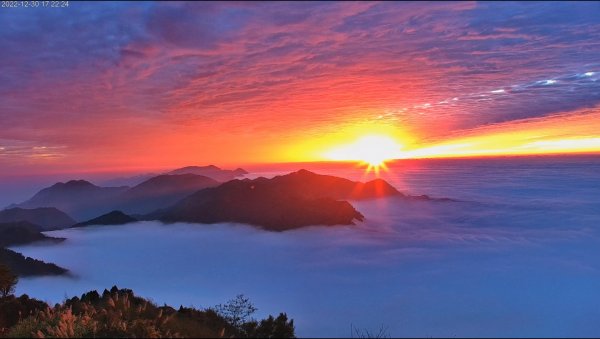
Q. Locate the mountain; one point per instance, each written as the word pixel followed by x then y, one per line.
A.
pixel 25 266
pixel 161 191
pixel 288 201
pixel 240 171
pixel 112 218
pixel 84 200
pixel 127 181
pixel 311 185
pixel 219 174
pixel 21 233
pixel 284 202
pixel 48 218
pixel 211 171
pixel 79 198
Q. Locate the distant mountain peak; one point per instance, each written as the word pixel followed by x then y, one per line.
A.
pixel 208 167
pixel 75 184
pixel 111 218
pixel 303 171
pixel 161 191
pixel 49 218
pixel 293 200
pixel 79 198
pixel 211 171
pixel 176 176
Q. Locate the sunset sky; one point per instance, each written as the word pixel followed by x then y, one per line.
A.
pixel 104 86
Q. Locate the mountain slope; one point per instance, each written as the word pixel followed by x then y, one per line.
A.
pixel 84 200
pixel 127 181
pixel 79 198
pixel 112 218
pixel 48 218
pixel 161 191
pixel 285 202
pixel 25 266
pixel 211 171
pixel 312 185
pixel 21 233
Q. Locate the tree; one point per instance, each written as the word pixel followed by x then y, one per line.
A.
pixel 8 281
pixel 271 327
pixel 355 332
pixel 236 311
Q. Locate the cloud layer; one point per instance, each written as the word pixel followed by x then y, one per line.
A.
pixel 166 82
pixel 515 257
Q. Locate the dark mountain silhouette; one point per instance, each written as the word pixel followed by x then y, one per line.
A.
pixel 21 233
pixel 84 200
pixel 285 202
pixel 211 171
pixel 220 174
pixel 25 266
pixel 240 171
pixel 112 218
pixel 161 191
pixel 48 218
pixel 311 185
pixel 79 198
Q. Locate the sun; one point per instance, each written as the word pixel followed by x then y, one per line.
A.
pixel 373 150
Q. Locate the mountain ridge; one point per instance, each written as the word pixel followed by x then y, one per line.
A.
pixel 111 218
pixel 26 266
pixel 48 218
pixel 22 233
pixel 84 200
pixel 289 201
pixel 211 171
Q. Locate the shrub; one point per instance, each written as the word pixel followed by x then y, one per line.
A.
pixel 119 313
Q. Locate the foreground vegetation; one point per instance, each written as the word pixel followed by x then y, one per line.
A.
pixel 120 313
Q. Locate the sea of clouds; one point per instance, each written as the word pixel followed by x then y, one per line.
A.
pixel 516 255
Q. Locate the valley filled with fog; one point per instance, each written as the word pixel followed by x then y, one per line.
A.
pixel 514 255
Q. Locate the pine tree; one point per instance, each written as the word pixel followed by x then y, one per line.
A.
pixel 8 281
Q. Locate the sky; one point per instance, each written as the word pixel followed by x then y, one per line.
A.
pixel 106 86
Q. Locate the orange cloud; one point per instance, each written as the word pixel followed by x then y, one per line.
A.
pixel 567 133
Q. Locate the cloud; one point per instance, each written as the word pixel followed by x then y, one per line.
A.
pixel 409 265
pixel 300 68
